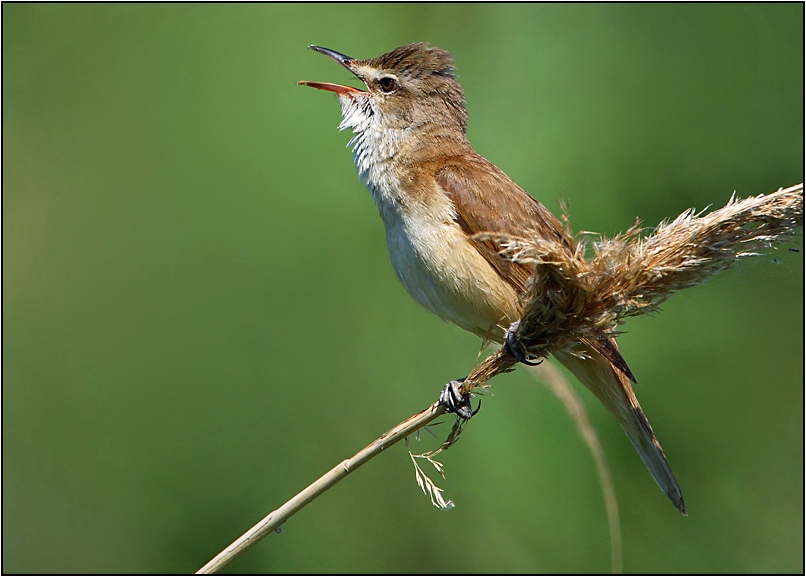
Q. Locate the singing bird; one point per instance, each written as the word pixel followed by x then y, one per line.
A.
pixel 435 194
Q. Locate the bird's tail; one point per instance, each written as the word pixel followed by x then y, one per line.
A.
pixel 612 387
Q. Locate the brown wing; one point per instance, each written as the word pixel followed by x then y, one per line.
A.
pixel 488 201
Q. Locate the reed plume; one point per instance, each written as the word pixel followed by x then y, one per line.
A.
pixel 571 296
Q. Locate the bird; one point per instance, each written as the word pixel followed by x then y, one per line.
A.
pixel 436 196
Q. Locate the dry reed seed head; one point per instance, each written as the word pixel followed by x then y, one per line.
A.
pixel 571 297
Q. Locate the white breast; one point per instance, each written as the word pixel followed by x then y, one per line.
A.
pixel 435 261
pixel 432 256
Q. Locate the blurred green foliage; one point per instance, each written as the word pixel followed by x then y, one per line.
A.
pixel 199 316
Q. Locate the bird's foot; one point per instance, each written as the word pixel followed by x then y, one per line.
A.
pixel 513 346
pixel 456 402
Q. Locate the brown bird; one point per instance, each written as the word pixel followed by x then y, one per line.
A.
pixel 434 193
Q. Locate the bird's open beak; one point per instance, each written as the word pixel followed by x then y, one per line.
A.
pixel 342 59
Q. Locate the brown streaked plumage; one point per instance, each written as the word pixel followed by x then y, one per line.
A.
pixel 435 193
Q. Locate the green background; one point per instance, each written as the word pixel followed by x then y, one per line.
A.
pixel 199 314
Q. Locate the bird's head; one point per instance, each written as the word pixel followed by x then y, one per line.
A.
pixel 407 88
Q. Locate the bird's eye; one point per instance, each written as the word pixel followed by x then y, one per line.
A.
pixel 387 84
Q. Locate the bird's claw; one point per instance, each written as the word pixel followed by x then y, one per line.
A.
pixel 513 346
pixel 456 402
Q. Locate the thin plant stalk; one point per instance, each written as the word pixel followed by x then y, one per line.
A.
pixel 276 518
pixel 562 389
